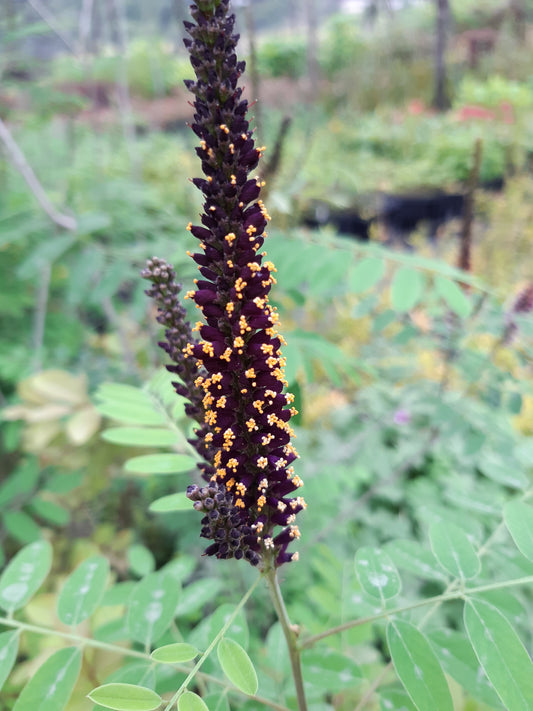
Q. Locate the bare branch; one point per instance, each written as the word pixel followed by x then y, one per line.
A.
pixel 21 164
pixel 41 9
pixel 85 23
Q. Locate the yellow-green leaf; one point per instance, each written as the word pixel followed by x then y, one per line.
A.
pixel 237 666
pixel 175 653
pixel 125 697
pixel 160 464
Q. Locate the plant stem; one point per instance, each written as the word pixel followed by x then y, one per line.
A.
pixel 290 636
pixel 213 644
pixel 18 159
pixel 373 686
pixel 445 597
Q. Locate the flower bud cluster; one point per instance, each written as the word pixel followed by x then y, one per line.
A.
pixel 224 523
pixel 171 314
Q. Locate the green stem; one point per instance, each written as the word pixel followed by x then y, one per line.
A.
pixel 445 597
pixel 290 636
pixel 82 641
pixel 213 644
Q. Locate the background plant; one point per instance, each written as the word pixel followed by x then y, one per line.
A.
pixel 415 414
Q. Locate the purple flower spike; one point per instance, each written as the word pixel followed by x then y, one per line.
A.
pixel 244 432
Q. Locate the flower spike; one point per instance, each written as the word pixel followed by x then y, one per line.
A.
pixel 244 432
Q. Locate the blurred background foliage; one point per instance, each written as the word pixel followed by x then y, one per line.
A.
pixel 413 379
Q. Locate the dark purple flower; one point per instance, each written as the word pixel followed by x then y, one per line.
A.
pixel 244 432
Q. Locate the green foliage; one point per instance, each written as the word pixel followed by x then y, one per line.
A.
pixel 152 68
pixel 29 499
pixel 342 47
pixel 278 58
pixel 494 92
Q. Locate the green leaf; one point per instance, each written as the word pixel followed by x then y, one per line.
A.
pixel 180 568
pixel 125 697
pixel 138 673
pixel 160 464
pixel 152 607
pixel 92 222
pixel 172 502
pixel 63 483
pixel 128 404
pixel 197 594
pixel 418 668
pixel 406 289
pixel 83 591
pixel 140 559
pixel 277 654
pixel 503 468
pixel 46 252
pixel 114 631
pixel 175 653
pixel 21 482
pixel 366 274
pixel 329 670
pixel 237 666
pixel 459 661
pixel 49 689
pixel 21 526
pixel 377 573
pixel 238 628
pixel 518 517
pixel 191 702
pixel 217 702
pixel 122 393
pixel 454 296
pixel 141 436
pixel 50 511
pixel 412 556
pixel 24 575
pixel 9 644
pixel 501 654
pixel 118 594
pixel 514 403
pixel 395 700
pixel 453 550
pixel 132 414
